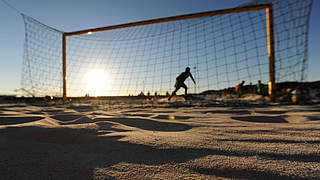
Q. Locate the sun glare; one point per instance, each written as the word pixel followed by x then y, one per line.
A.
pixel 97 83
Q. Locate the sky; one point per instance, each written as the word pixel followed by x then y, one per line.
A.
pixel 74 15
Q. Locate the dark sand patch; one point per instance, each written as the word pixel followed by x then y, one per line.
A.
pixel 305 110
pixel 81 108
pixel 53 111
pixel 261 119
pixel 147 124
pixel 139 115
pixel 66 117
pixel 169 117
pixel 313 118
pixel 35 112
pixel 271 112
pixel 7 114
pixel 133 111
pixel 8 109
pixel 300 129
pixel 100 114
pixel 54 135
pixel 18 120
pixel 240 112
pixel 162 111
pixel 13 106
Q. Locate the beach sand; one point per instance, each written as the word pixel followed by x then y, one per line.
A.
pixel 159 141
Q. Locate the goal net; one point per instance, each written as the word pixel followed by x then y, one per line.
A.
pixel 221 51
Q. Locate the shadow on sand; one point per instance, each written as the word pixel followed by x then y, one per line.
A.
pixel 81 108
pixel 139 123
pixel 139 115
pixel 17 120
pixel 168 117
pixel 147 124
pixel 12 106
pixel 35 112
pixel 53 111
pixel 240 112
pixel 261 119
pixel 66 117
pixel 271 112
pixel 7 114
pixel 313 118
pixel 84 150
pixel 68 153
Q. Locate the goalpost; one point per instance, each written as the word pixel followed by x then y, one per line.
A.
pixel 263 40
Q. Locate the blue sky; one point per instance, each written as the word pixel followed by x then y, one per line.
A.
pixel 73 15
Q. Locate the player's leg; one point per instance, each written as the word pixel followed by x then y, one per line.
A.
pixel 177 87
pixel 173 93
pixel 185 89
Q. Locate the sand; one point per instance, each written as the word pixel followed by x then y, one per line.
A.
pixel 159 140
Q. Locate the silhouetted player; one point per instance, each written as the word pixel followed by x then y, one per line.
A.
pixel 180 82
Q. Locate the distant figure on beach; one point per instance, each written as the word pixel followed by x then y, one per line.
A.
pixel 180 82
pixel 259 87
pixel 225 92
pixel 238 88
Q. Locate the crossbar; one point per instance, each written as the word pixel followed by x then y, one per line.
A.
pixel 173 18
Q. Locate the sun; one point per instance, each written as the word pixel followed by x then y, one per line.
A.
pixel 97 82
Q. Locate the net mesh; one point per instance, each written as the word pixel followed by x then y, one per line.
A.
pixel 221 51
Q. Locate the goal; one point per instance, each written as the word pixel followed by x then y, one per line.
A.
pixel 263 40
